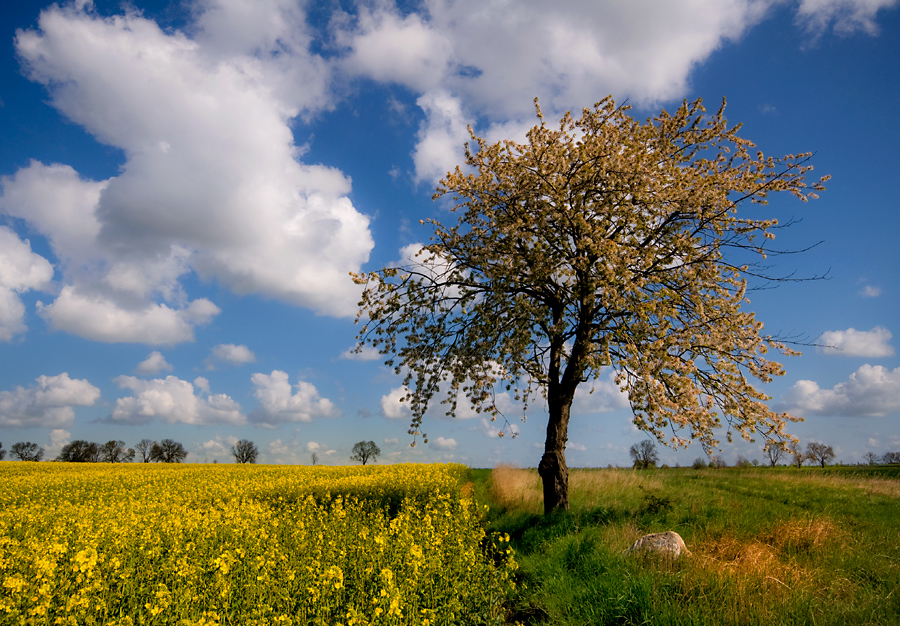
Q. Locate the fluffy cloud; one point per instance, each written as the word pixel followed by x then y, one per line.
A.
pixel 443 443
pixel 218 447
pixel 847 16
pixel 21 270
pixel 173 401
pixel 442 136
pixel 231 354
pixel 367 353
pixel 870 390
pixel 211 183
pixel 476 55
pixel 153 364
pixel 48 403
pixel 852 342
pixel 480 57
pixel 55 442
pixel 280 403
pixel 102 318
pixel 600 396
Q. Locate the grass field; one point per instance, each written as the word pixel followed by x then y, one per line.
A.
pixel 203 545
pixel 768 546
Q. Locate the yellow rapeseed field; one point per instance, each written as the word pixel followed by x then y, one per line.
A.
pixel 202 545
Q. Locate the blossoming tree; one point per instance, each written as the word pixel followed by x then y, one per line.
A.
pixel 605 243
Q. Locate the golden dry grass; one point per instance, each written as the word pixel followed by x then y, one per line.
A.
pixel 521 490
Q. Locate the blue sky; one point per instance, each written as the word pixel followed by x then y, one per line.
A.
pixel 187 185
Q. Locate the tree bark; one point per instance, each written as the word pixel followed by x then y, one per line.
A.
pixel 552 469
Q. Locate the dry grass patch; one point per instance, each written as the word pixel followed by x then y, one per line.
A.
pixel 516 488
pixel 805 535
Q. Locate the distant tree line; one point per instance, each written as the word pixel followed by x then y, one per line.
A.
pixel 115 451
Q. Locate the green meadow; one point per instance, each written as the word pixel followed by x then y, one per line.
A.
pixel 767 546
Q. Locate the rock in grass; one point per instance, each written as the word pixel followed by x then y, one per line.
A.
pixel 668 544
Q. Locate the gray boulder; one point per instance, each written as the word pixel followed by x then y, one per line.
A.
pixel 668 544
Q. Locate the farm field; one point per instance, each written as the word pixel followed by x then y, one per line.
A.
pixel 201 545
pixel 768 546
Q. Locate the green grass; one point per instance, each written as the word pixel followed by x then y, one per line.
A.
pixel 768 546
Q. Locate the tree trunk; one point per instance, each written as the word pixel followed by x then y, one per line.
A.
pixel 552 469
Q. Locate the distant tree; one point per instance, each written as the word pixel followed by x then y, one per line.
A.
pixel 797 455
pixel 167 451
pixel 699 463
pixel 870 458
pixel 27 451
pixel 244 451
pixel 644 454
pixel 891 458
pixel 743 463
pixel 314 458
pixel 718 461
pixel 115 452
pixel 79 451
pixel 2 451
pixel 774 452
pixel 363 451
pixel 144 447
pixel 819 452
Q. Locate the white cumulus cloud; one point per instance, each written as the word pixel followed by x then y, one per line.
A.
pixel 443 443
pixel 212 183
pixel 48 403
pixel 279 402
pixel 846 16
pixel 173 401
pixel 154 364
pixel 852 342
pixel 21 270
pixel 231 354
pixel 871 390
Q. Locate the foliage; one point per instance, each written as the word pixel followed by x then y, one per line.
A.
pixel 27 451
pixel 114 451
pixel 2 452
pixel 144 447
pixel 699 463
pixel 193 545
pixel 890 458
pixel 364 451
pixel 167 451
pixel 644 454
pixel 819 452
pixel 244 451
pixel 314 458
pixel 773 453
pixel 605 243
pixel 767 546
pixel 798 457
pixel 79 451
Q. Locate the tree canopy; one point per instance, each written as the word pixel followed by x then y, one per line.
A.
pixel 27 451
pixel 603 243
pixel 244 451
pixel 644 454
pixel 167 451
pixel 364 451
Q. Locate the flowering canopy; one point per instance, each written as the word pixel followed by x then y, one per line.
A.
pixel 605 243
